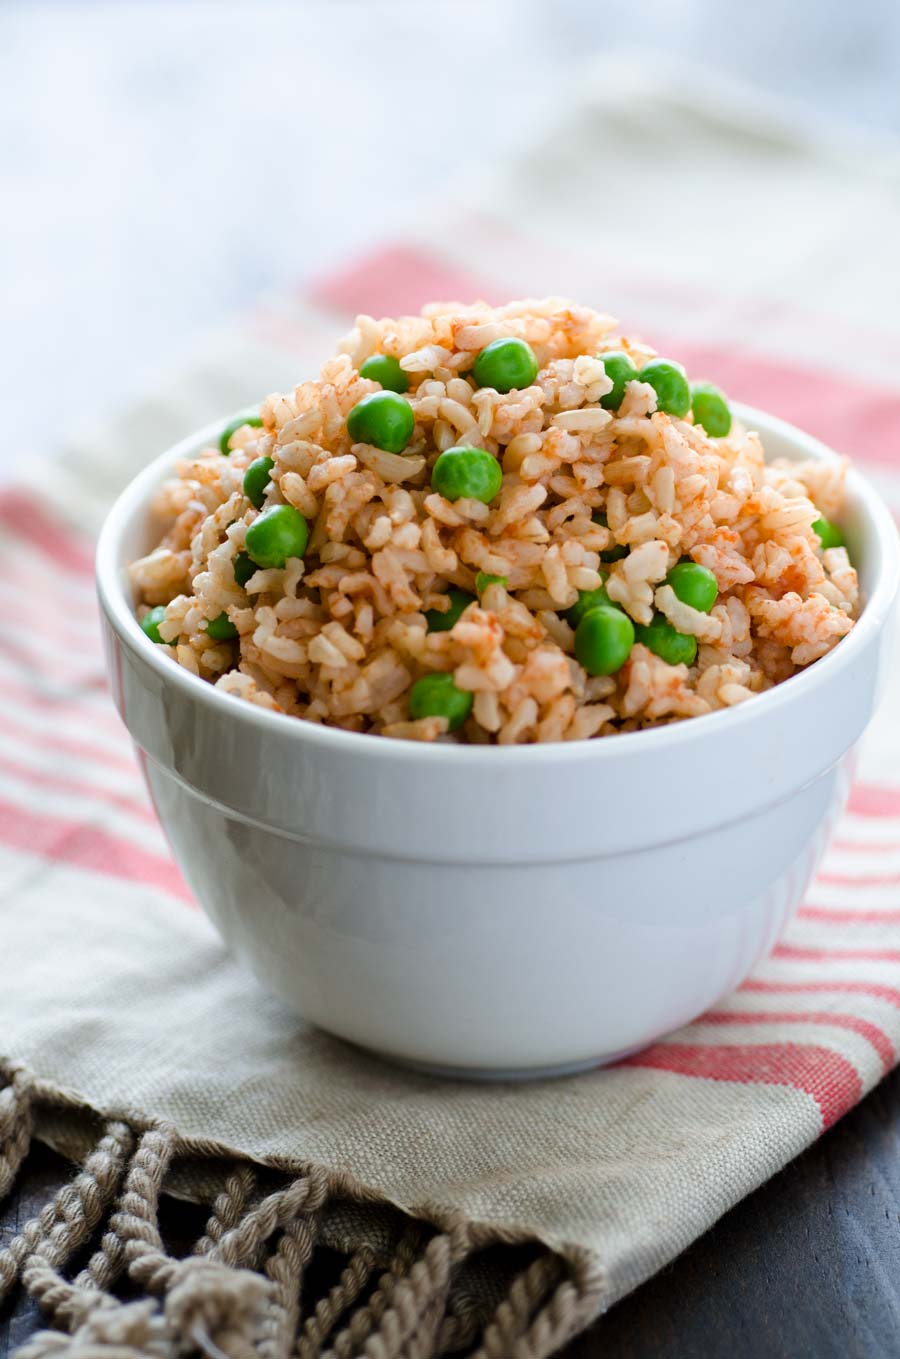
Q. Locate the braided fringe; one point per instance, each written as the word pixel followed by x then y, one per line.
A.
pixel 243 1291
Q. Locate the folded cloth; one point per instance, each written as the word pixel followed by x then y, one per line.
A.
pixel 504 1215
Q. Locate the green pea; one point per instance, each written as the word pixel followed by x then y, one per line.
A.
pixel 384 368
pixel 443 622
pixel 151 621
pixel 586 601
pixel 829 534
pixel 437 696
pixel 506 365
pixel 673 647
pixel 612 554
pixel 673 395
pixel 484 579
pixel 244 568
pixel 619 370
pixel 382 419
pixel 710 409
pixel 467 474
pixel 603 640
pixel 694 585
pixel 232 428
pixel 221 629
pixel 256 479
pixel 278 533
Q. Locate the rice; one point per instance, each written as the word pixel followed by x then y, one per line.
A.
pixel 340 635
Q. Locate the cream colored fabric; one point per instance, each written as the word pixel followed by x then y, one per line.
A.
pixel 631 1164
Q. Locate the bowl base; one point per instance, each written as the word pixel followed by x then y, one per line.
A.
pixel 507 1074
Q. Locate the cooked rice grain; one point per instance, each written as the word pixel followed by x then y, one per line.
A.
pixel 340 636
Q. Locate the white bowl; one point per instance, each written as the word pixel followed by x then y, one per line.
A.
pixel 493 911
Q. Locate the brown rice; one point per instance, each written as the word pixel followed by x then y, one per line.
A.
pixel 340 635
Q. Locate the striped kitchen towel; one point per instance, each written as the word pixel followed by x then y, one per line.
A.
pixel 763 258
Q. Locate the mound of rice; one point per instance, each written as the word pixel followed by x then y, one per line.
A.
pixel 340 635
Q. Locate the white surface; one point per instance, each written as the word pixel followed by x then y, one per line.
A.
pixel 500 909
pixel 163 163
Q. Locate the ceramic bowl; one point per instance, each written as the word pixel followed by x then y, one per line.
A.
pixel 488 911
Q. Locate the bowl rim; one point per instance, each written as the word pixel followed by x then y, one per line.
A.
pixel 115 603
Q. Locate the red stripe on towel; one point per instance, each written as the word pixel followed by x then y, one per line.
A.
pixel 877 990
pixel 848 915
pixel 827 955
pixel 43 778
pixel 872 799
pixel 26 518
pixel 859 879
pixel 830 1079
pixel 864 1027
pixel 90 847
pixel 400 279
pixel 867 846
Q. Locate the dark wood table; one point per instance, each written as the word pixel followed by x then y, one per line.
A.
pixel 808 1267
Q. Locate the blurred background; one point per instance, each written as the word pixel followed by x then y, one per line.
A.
pixel 165 162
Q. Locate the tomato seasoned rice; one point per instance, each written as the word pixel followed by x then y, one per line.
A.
pixel 590 497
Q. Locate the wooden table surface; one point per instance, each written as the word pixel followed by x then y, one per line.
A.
pixel 808 1267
